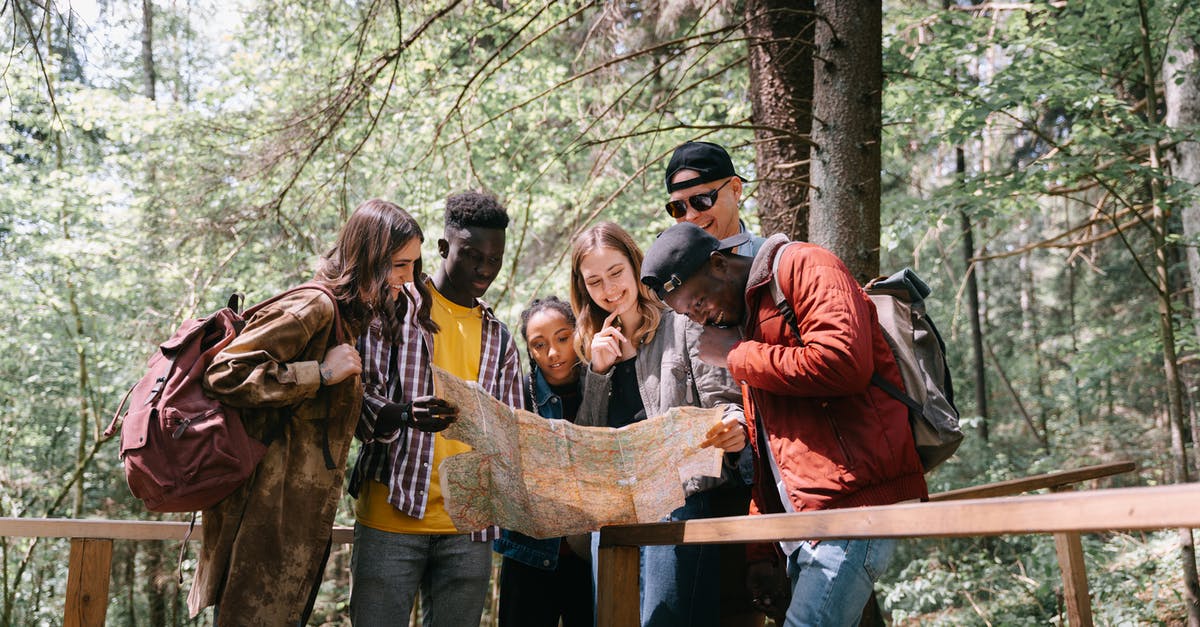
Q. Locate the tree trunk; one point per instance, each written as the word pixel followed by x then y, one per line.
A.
pixel 158 579
pixel 977 364
pixel 1181 88
pixel 1031 331
pixel 781 84
pixel 1191 584
pixel 129 579
pixel 148 74
pixel 847 81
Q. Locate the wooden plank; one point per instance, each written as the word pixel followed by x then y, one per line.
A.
pixel 88 574
pixel 1069 548
pixel 1074 574
pixel 618 604
pixel 1014 487
pixel 117 529
pixel 1157 507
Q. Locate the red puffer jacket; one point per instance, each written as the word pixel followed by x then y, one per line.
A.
pixel 838 440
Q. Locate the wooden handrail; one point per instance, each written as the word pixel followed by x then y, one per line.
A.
pixel 1037 482
pixel 1065 514
pixel 117 529
pixel 964 512
pixel 1157 507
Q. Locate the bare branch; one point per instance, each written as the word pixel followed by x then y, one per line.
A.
pixel 35 37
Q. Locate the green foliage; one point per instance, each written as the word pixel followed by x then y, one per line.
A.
pixel 123 215
pixel 1015 581
pixel 120 216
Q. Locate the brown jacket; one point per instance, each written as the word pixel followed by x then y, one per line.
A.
pixel 264 546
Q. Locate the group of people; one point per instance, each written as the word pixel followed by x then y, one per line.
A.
pixel 689 323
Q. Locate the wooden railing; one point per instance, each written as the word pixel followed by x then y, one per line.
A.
pixel 88 572
pixel 974 511
pixel 971 511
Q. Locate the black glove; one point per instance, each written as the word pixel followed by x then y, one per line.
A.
pixel 431 414
pixel 393 417
pixel 425 413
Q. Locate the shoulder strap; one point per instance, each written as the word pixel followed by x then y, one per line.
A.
pixel 777 297
pixel 789 315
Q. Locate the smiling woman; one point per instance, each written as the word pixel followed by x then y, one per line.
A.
pixel 643 361
pixel 609 301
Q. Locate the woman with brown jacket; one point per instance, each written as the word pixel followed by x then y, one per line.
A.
pixel 296 376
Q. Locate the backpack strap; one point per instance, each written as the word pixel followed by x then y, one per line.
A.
pixel 789 315
pixel 896 393
pixel 777 297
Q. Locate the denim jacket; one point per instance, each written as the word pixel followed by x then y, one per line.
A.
pixel 511 544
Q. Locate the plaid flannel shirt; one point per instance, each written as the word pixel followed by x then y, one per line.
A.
pixel 401 372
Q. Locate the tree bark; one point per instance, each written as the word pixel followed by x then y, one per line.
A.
pixel 781 84
pixel 978 369
pixel 1191 583
pixel 148 74
pixel 1181 92
pixel 129 578
pixel 846 127
pixel 1072 319
pixel 158 578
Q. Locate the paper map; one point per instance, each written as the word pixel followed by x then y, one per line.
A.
pixel 549 478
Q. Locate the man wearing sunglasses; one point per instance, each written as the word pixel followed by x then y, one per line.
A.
pixel 705 190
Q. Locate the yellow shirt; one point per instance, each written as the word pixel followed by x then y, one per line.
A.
pixel 456 349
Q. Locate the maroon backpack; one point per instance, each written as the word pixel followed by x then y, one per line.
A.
pixel 184 451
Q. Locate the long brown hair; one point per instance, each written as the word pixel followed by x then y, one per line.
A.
pixel 356 268
pixel 589 316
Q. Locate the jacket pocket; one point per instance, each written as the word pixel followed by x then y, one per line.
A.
pixel 837 435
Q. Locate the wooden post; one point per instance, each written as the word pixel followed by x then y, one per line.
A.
pixel 618 601
pixel 87 582
pixel 1074 574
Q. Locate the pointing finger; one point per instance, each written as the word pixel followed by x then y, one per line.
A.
pixel 609 320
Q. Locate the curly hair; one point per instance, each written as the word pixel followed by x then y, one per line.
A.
pixel 475 209
pixel 549 302
pixel 591 315
pixel 356 268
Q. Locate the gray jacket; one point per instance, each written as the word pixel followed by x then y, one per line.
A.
pixel 670 374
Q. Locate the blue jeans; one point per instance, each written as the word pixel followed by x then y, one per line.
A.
pixel 387 569
pixel 681 585
pixel 832 581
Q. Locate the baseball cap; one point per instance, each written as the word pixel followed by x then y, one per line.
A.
pixel 706 158
pixel 679 252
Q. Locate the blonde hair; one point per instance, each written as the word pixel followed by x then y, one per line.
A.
pixel 589 315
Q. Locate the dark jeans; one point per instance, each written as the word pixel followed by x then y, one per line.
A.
pixel 532 597
pixel 388 569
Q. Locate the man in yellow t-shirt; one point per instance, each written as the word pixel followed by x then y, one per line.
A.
pixel 404 540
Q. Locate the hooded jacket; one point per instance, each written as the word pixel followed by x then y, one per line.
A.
pixel 836 440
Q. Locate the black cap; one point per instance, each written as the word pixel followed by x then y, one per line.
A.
pixel 708 159
pixel 679 252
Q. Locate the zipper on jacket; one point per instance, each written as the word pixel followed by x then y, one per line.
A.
pixel 837 433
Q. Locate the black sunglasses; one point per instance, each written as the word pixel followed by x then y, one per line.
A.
pixel 700 202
